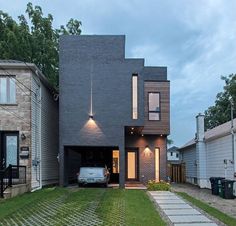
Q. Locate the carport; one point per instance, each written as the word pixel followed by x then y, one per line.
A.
pixel 78 156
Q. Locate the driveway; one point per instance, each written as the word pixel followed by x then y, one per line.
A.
pixel 224 205
pixel 80 206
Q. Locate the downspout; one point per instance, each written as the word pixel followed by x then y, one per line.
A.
pixel 232 134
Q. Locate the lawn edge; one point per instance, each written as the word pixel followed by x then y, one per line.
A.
pixel 159 210
pixel 216 217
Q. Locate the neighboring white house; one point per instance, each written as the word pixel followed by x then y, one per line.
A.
pixel 28 127
pixel 173 154
pixel 210 154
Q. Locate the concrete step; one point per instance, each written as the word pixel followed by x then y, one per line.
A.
pixel 16 190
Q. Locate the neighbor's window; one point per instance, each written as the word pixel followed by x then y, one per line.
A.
pixel 135 96
pixel 154 106
pixel 7 90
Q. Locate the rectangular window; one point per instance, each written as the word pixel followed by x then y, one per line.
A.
pixel 157 164
pixel 131 165
pixel 7 90
pixel 154 106
pixel 135 96
pixel 115 161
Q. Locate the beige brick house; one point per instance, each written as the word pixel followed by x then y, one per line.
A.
pixel 28 127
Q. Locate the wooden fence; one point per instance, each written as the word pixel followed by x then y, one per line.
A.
pixel 176 172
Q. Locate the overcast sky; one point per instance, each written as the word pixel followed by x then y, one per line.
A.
pixel 195 39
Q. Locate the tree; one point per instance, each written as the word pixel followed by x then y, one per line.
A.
pixel 35 43
pixel 220 112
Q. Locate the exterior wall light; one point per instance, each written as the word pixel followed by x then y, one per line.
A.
pixel 147 151
pixel 23 137
pixel 91 116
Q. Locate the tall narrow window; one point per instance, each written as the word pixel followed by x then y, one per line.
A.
pixel 135 96
pixel 115 160
pixel 7 90
pixel 154 106
pixel 157 164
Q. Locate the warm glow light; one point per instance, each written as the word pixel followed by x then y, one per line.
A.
pixel 132 128
pixel 132 132
pixel 147 151
pixel 157 164
pixel 142 135
pixel 115 161
pixel 131 165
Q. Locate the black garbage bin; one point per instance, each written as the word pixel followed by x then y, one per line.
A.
pixel 227 189
pixel 215 182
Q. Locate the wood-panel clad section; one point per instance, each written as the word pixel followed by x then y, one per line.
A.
pixel 163 125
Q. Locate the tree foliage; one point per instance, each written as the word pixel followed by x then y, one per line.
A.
pixel 34 40
pixel 221 111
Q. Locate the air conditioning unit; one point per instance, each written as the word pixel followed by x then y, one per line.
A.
pixel 234 189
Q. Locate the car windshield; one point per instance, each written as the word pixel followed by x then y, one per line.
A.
pixel 91 172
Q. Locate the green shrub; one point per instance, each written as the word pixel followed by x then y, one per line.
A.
pixel 158 186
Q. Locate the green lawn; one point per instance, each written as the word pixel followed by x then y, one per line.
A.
pixel 228 220
pixel 89 206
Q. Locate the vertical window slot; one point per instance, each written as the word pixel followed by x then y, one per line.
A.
pixel 135 96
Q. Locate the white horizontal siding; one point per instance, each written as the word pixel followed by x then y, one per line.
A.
pixel 49 138
pixel 189 157
pixel 173 157
pixel 216 151
pixel 35 141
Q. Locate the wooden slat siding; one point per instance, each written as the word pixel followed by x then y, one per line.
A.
pixel 177 173
pixel 162 126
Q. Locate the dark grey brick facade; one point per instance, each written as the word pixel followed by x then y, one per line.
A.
pixel 101 58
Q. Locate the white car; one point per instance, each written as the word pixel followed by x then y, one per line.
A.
pixel 93 175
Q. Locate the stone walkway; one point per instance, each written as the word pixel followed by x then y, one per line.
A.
pixel 178 212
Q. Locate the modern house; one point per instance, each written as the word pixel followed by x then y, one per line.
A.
pixel 173 154
pixel 210 154
pixel 28 128
pixel 113 111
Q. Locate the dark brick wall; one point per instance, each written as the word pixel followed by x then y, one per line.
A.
pixel 103 58
pixel 147 156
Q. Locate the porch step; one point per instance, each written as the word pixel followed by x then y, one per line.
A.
pixel 16 190
pixel 135 185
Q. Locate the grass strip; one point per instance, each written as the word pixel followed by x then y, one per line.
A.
pixel 228 220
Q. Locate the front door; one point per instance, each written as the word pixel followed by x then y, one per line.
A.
pixel 132 164
pixel 8 149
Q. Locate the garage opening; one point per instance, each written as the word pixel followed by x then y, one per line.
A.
pixel 80 156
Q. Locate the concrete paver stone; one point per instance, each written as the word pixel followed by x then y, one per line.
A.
pixel 178 211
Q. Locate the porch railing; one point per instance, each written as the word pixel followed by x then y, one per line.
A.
pixel 12 175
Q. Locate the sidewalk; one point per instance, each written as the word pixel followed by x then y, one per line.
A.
pixel 178 211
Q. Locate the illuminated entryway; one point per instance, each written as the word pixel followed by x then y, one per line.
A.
pixel 132 164
pixel 97 156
